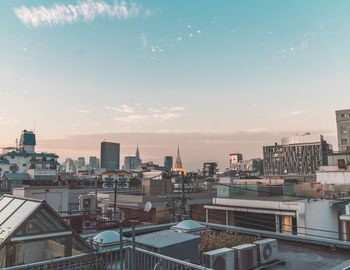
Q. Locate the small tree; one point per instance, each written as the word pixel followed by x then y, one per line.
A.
pixel 212 240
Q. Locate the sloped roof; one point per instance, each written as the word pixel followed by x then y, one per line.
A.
pixel 13 212
pixel 27 218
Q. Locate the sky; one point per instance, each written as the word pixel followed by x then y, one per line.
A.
pixel 214 77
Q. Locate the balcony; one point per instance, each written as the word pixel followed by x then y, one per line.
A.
pixel 113 259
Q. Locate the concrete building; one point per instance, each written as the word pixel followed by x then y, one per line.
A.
pixel 343 129
pixel 235 158
pixel 23 159
pixel 248 167
pixel 297 155
pixel 209 168
pixel 93 162
pixel 81 162
pixel 130 163
pixel 110 156
pixel 265 209
pixel 56 197
pixel 168 163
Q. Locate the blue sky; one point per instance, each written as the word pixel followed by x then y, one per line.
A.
pixel 172 66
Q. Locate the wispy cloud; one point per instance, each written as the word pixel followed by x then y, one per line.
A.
pixel 61 14
pixel 123 108
pixel 4 94
pixel 85 111
pixel 165 116
pixel 131 119
pixel 178 108
pixel 294 113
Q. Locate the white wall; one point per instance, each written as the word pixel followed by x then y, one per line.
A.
pixel 321 215
pixel 333 177
pixel 56 197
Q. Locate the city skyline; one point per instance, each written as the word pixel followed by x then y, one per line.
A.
pixel 218 70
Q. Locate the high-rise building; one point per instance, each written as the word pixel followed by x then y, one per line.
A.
pixel 137 155
pixel 168 162
pixel 235 158
pixel 298 155
pixel 110 156
pixel 130 163
pixel 81 162
pixel 209 168
pixel 93 162
pixel 343 128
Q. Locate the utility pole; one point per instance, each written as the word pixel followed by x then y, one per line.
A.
pixel 183 196
pixel 115 198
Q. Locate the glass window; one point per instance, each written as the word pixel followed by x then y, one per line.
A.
pixel 4 201
pixel 42 222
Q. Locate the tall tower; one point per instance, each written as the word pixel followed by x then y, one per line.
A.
pixel 178 162
pixel 137 155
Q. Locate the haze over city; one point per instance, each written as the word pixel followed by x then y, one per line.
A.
pixel 213 77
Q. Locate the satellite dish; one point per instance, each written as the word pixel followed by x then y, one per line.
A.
pixel 148 206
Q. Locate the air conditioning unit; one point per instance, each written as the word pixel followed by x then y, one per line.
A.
pixel 267 250
pixel 219 259
pixel 245 257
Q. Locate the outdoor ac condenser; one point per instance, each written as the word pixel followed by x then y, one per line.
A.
pixel 245 257
pixel 267 250
pixel 219 259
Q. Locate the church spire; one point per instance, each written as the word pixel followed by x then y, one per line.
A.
pixel 178 163
pixel 138 159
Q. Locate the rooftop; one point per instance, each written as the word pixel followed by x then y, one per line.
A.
pixel 164 239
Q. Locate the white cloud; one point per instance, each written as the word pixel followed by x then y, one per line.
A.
pixel 199 32
pixel 4 94
pixel 294 113
pixel 131 119
pixel 24 49
pixel 190 35
pixel 179 38
pixel 123 108
pixel 178 108
pixel 68 13
pixel 85 111
pixel 164 116
pixel 253 106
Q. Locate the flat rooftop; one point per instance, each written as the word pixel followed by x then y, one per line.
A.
pixel 299 256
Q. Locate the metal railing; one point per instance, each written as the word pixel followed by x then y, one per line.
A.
pixel 131 259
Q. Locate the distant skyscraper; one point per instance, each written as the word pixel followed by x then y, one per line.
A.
pixel 130 163
pixel 110 156
pixel 93 161
pixel 235 158
pixel 137 155
pixel 81 162
pixel 168 162
pixel 209 168
pixel 70 166
pixel 343 128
